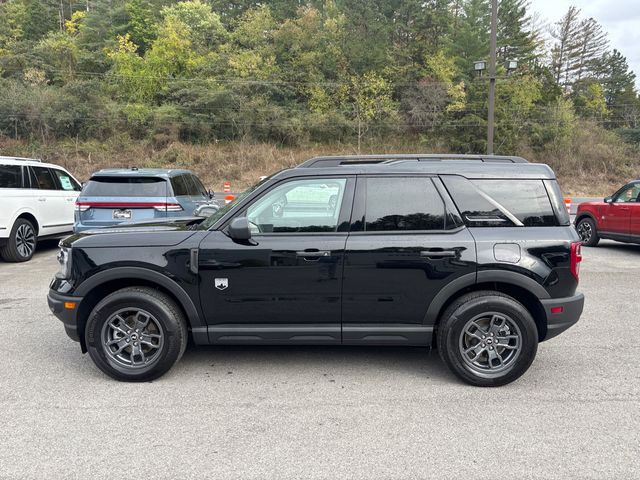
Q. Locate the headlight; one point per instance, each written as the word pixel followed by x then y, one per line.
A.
pixel 64 259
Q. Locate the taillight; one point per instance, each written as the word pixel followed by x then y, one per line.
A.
pixel 159 206
pixel 576 258
pixel 168 207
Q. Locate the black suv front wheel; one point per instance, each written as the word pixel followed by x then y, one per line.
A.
pixel 487 338
pixel 136 334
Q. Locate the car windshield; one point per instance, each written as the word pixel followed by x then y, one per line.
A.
pixel 210 221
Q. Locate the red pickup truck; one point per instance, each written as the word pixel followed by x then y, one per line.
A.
pixel 616 218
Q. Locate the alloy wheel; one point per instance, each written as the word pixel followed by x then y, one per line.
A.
pixel 490 343
pixel 585 231
pixel 25 240
pixel 132 338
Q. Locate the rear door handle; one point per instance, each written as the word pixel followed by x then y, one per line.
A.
pixel 42 199
pixel 314 256
pixel 438 253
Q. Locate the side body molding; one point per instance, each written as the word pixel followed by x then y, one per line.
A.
pixel 198 327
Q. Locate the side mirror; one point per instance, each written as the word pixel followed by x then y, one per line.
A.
pixel 608 200
pixel 205 210
pixel 239 229
pixel 211 194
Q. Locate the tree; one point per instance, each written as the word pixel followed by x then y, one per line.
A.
pixel 562 52
pixel 515 39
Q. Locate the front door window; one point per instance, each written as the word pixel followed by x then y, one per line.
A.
pixel 300 206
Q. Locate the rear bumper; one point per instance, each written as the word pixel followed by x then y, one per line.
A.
pixel 68 316
pixel 569 316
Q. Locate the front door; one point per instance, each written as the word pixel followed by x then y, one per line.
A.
pixel 284 285
pixel 403 249
pixel 616 216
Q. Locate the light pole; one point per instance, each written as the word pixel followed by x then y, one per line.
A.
pixel 492 76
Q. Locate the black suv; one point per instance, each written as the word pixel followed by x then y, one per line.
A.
pixel 473 255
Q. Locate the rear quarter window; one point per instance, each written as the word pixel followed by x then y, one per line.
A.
pixel 116 186
pixel 503 202
pixel 10 176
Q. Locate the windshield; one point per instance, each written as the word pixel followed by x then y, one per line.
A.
pixel 210 221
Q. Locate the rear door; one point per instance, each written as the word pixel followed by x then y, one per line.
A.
pixel 110 200
pixel 406 243
pixel 634 215
pixel 51 203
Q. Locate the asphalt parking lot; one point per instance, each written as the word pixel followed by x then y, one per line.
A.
pixel 326 412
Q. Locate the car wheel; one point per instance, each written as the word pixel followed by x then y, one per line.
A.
pixel 22 242
pixel 588 232
pixel 136 334
pixel 487 338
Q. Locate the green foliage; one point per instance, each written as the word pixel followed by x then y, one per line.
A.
pixel 293 72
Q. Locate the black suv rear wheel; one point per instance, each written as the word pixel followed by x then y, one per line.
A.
pixel 136 334
pixel 487 338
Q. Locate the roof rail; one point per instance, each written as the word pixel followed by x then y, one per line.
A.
pixel 20 159
pixel 339 160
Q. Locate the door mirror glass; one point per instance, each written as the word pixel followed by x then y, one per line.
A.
pixel 239 229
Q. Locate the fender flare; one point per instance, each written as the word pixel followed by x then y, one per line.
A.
pixel 581 215
pixel 483 276
pixel 185 301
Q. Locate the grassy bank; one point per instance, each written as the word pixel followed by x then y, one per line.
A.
pixel 596 163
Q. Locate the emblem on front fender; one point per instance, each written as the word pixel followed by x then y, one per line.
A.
pixel 221 283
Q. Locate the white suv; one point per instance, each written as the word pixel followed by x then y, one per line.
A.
pixel 36 200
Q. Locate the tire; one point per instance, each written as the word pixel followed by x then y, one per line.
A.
pixel 458 334
pixel 22 242
pixel 136 334
pixel 588 232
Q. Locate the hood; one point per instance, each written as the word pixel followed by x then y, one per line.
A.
pixel 150 233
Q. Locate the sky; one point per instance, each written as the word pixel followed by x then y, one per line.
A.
pixel 619 18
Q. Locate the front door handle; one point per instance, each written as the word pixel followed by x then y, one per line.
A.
pixel 42 199
pixel 314 256
pixel 438 253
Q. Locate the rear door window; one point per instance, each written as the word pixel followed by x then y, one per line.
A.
pixel 44 178
pixel 402 204
pixel 10 176
pixel 180 186
pixel 118 186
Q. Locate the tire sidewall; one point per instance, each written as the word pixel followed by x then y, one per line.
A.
pixel 172 347
pixel 466 312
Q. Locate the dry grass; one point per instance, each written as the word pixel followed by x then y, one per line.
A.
pixel 596 163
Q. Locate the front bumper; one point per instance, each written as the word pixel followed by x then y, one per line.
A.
pixel 69 316
pixel 567 317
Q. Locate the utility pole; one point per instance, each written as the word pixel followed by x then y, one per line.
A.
pixel 492 75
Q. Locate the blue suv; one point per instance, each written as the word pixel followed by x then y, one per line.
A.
pixel 114 196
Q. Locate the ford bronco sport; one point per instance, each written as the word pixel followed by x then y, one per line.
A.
pixel 473 255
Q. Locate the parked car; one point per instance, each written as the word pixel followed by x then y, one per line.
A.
pixel 617 217
pixel 114 196
pixel 37 201
pixel 474 255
